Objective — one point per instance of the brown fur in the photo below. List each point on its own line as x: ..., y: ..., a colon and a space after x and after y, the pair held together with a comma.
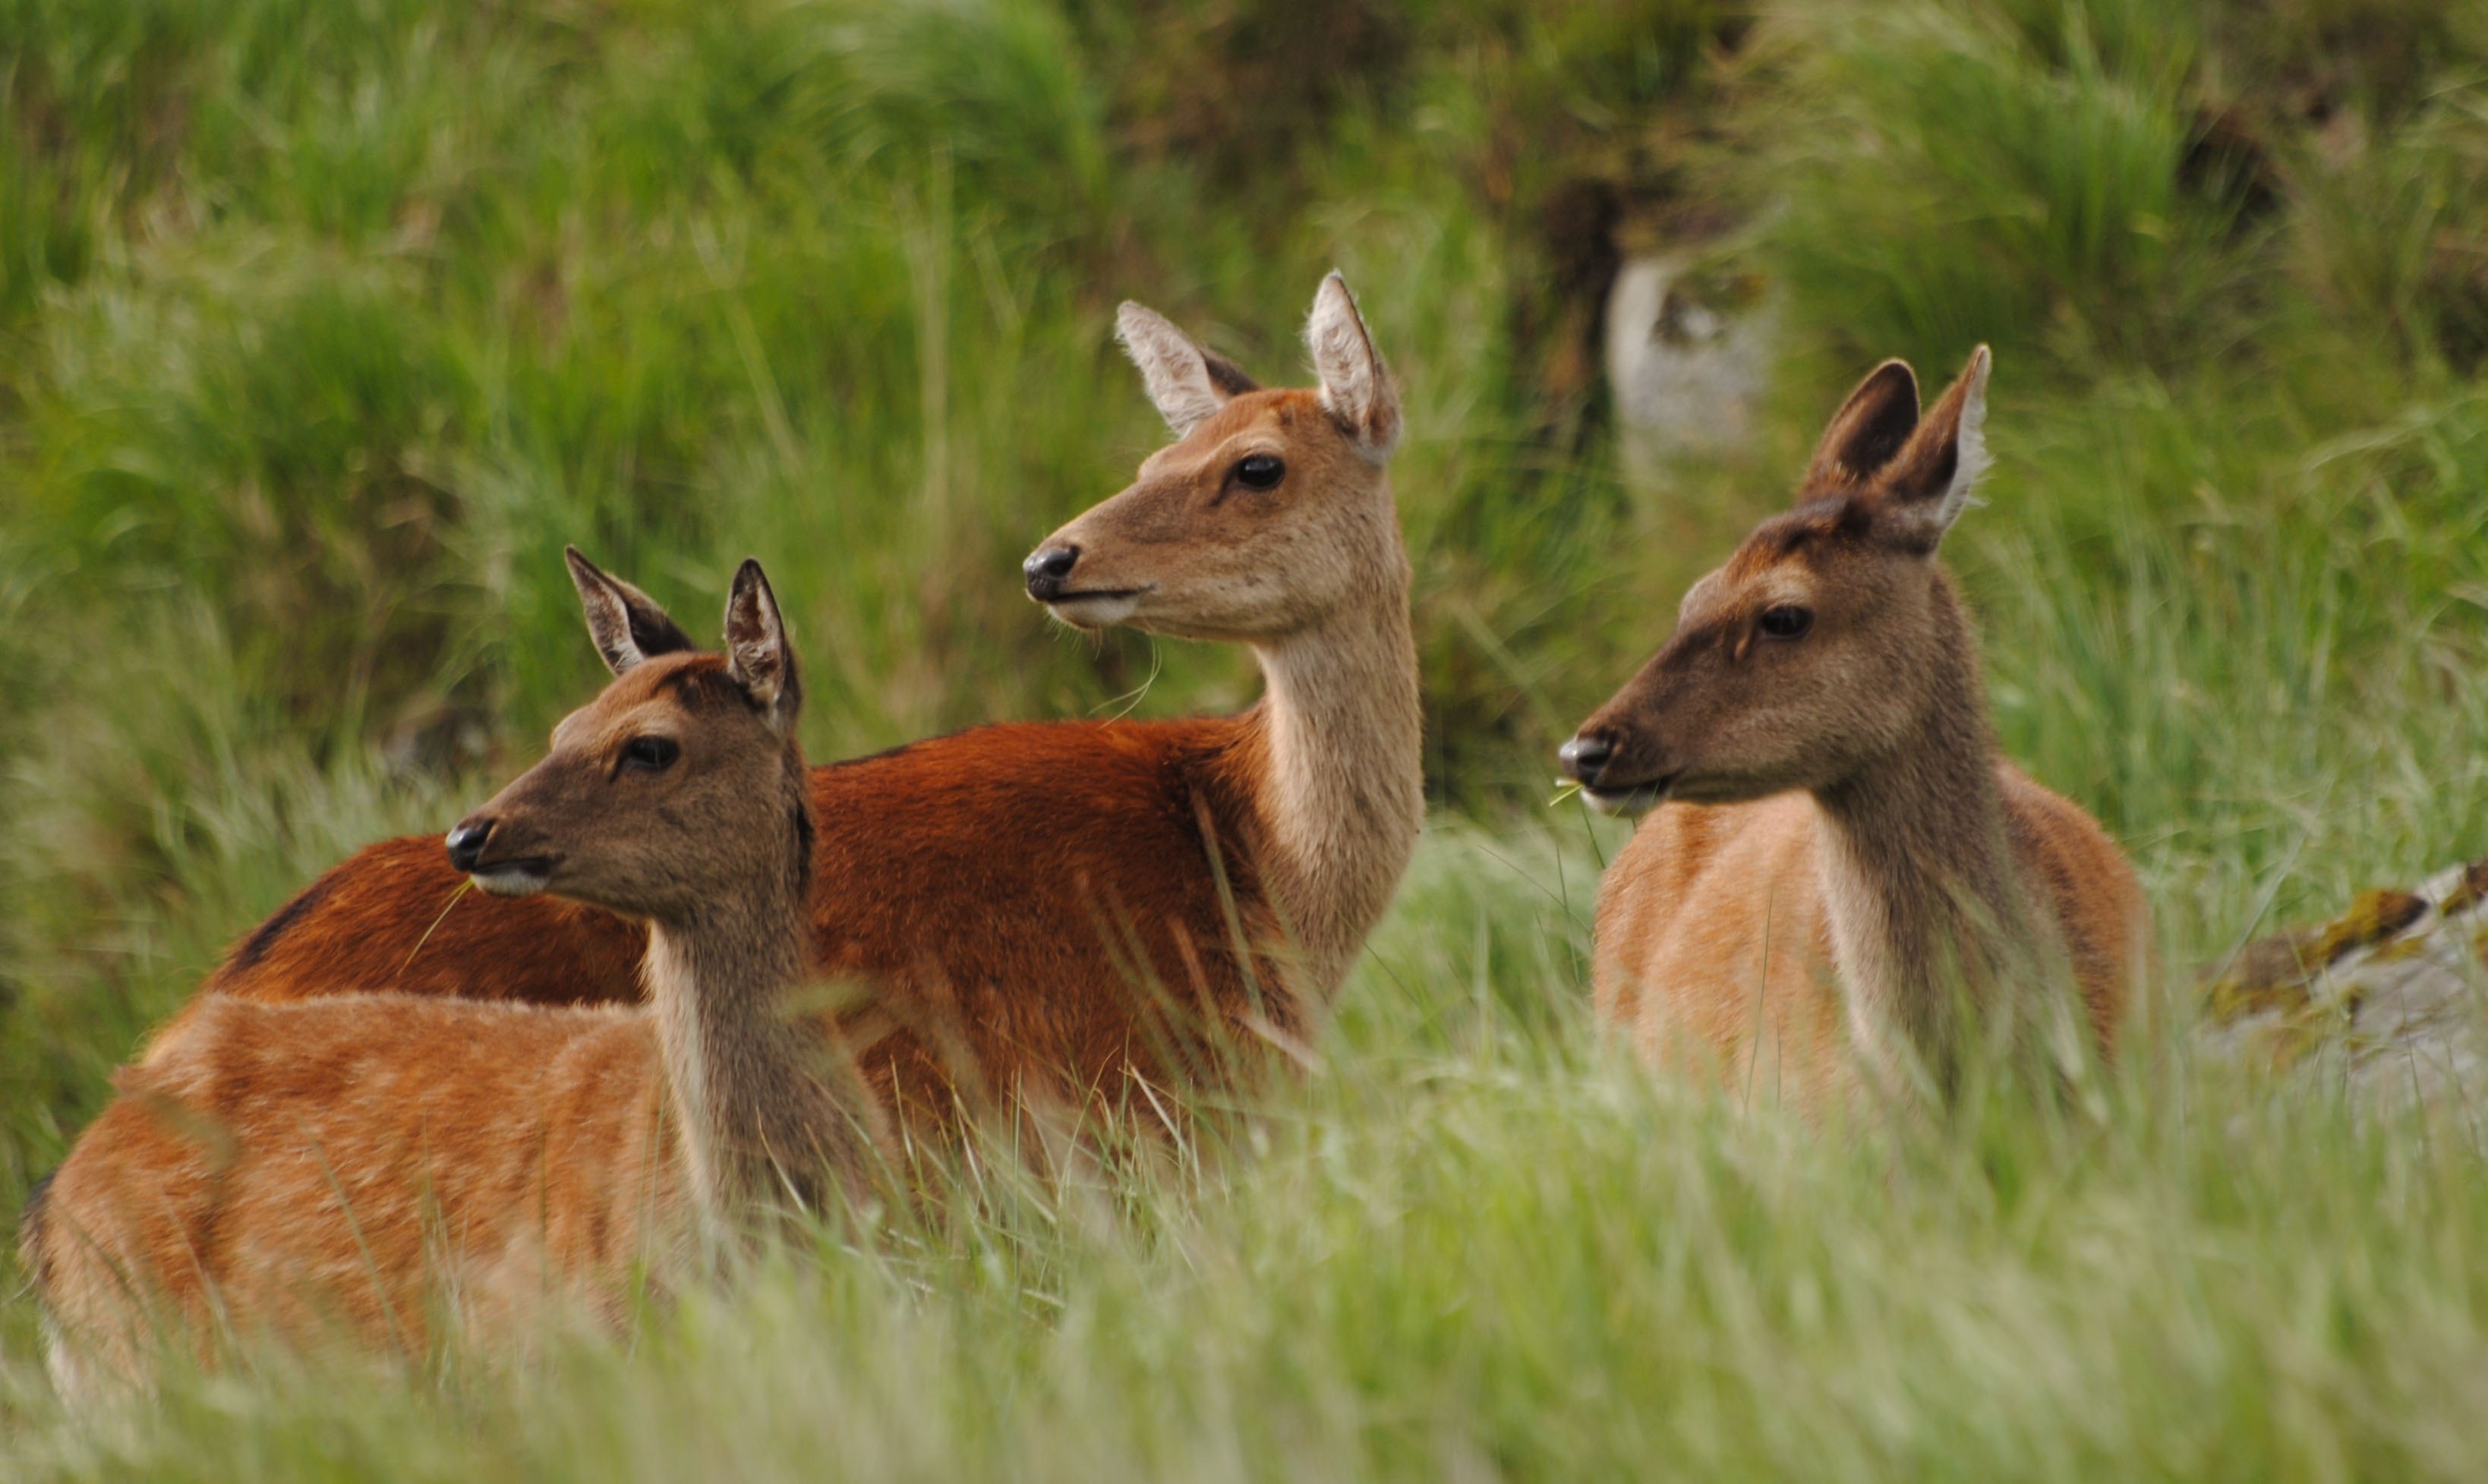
x: 1058, y: 907
x: 316, y: 1167
x: 361, y: 1164
x: 1843, y: 860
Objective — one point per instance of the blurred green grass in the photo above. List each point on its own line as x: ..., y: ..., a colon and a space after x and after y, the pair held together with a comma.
x: 327, y: 324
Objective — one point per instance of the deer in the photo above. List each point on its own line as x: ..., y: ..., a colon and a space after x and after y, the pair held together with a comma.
x: 336, y: 1166
x: 1837, y: 877
x: 1079, y: 913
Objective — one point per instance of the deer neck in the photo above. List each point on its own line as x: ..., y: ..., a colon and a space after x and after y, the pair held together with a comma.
x: 759, y: 1126
x: 1336, y: 782
x: 1925, y: 904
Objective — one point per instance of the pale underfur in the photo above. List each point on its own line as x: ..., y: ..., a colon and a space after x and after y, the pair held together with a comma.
x: 747, y: 1081
x: 1343, y: 796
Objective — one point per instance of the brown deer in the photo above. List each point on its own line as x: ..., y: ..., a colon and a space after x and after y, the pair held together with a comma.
x: 348, y: 1164
x: 1842, y: 860
x: 1064, y: 908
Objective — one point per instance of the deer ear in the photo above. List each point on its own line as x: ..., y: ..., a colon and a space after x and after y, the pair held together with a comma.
x: 1867, y: 430
x: 1187, y: 382
x: 1356, y: 387
x: 1930, y: 481
x: 757, y: 656
x: 626, y: 623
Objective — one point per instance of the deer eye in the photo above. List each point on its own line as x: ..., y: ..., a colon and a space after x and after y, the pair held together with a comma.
x: 1260, y: 471
x: 1787, y: 621
x: 651, y: 754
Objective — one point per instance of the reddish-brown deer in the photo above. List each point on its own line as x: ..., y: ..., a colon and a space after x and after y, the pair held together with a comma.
x: 1063, y: 907
x: 1842, y: 862
x: 353, y: 1164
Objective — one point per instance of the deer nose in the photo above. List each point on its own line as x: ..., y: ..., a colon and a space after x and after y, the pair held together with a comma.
x: 1585, y: 757
x: 1046, y: 567
x: 466, y: 844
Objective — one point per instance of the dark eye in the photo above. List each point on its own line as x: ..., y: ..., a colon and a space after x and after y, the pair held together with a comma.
x: 1261, y: 471
x: 651, y: 754
x: 1788, y: 620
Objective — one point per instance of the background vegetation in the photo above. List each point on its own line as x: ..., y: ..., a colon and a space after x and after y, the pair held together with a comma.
x: 325, y: 323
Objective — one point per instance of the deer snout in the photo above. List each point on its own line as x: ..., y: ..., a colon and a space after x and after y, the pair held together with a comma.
x: 517, y: 868
x: 466, y: 844
x: 1619, y: 772
x: 1046, y: 566
x: 1586, y: 756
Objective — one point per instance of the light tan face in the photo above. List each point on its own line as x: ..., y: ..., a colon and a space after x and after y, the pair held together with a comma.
x: 1815, y: 650
x: 1255, y: 524
x: 1269, y: 512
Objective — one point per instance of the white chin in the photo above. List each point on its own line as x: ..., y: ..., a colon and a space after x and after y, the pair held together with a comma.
x: 1627, y: 801
x: 1094, y: 612
x: 509, y: 883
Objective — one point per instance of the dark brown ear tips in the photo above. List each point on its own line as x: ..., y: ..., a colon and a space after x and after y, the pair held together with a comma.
x: 1869, y: 430
x: 758, y: 657
x: 626, y: 623
x: 1930, y: 481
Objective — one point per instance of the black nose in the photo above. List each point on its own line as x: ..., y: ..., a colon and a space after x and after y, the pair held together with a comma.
x: 466, y: 844
x: 1046, y: 567
x: 1586, y: 756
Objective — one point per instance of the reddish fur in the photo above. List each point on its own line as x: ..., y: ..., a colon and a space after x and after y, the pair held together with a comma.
x: 1019, y: 901
x: 1008, y: 950
x: 289, y: 1168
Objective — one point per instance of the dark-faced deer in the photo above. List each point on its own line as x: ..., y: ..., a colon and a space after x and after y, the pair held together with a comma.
x: 353, y: 1163
x: 1839, y: 860
x: 1060, y: 907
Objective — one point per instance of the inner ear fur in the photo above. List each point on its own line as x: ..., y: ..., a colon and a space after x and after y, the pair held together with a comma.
x: 1186, y: 383
x: 1867, y: 433
x: 1224, y: 375
x: 627, y: 624
x: 1925, y: 486
x: 759, y: 659
x: 1356, y: 386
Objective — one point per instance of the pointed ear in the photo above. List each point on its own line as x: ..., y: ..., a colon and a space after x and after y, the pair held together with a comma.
x: 1928, y: 483
x: 626, y: 623
x: 757, y: 656
x: 1867, y: 430
x: 1187, y: 382
x: 1355, y: 386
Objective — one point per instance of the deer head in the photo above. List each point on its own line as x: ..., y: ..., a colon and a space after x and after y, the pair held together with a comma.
x: 652, y: 795
x: 1830, y: 636
x: 1270, y: 510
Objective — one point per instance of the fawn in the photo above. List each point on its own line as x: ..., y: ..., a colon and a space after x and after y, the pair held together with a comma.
x: 1059, y: 910
x: 1840, y: 848
x: 342, y: 1163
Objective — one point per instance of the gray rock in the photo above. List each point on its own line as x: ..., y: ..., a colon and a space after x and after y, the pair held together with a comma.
x: 1688, y: 355
x: 2391, y: 997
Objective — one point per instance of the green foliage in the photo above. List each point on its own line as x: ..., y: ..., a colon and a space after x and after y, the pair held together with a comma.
x: 327, y: 324
x: 1511, y: 1256
x: 1971, y: 181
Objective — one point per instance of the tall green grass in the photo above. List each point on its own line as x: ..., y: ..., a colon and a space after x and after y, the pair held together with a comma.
x: 325, y: 325
x: 1472, y: 1243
